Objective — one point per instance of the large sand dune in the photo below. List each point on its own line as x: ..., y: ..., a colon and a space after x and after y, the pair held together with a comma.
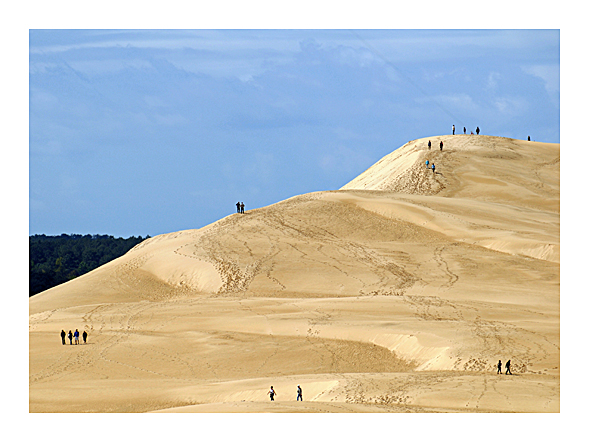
x: 398, y: 292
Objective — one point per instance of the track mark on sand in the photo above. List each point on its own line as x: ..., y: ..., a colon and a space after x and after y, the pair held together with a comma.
x: 443, y: 264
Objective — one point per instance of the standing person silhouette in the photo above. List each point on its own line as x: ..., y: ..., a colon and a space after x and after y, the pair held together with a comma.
x: 453, y: 129
x: 70, y: 336
x: 508, y: 368
x: 441, y: 145
x: 429, y: 144
x: 272, y: 394
x: 499, y: 367
x: 84, y: 336
x: 477, y: 130
x: 299, y: 393
x: 238, y: 206
x: 77, y: 337
x: 433, y: 168
x: 242, y: 207
x: 464, y: 130
x: 63, y: 337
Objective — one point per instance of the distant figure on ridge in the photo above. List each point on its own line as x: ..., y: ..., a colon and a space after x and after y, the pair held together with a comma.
x: 508, y: 368
x: 84, y: 336
x: 63, y: 337
x: 441, y: 145
x: 453, y: 129
x: 77, y: 337
x: 464, y: 130
x: 242, y: 207
x: 238, y: 206
x: 429, y: 144
x: 477, y: 130
x: 499, y: 367
x: 299, y: 393
x: 529, y: 138
x: 70, y: 336
x: 272, y: 394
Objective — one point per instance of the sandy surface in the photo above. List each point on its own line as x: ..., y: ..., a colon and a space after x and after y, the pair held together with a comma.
x: 398, y: 293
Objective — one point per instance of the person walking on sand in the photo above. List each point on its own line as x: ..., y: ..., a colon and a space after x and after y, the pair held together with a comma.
x: 272, y: 394
x: 238, y: 206
x: 453, y: 129
x: 299, y: 393
x: 508, y: 368
x: 433, y: 168
x: 84, y: 336
x: 477, y: 130
x: 242, y: 207
x: 77, y: 337
x: 441, y: 145
x: 499, y: 367
x: 429, y: 144
x: 63, y: 337
x: 70, y: 336
x: 427, y: 163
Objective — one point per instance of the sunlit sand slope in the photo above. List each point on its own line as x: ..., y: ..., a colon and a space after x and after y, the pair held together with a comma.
x: 399, y: 292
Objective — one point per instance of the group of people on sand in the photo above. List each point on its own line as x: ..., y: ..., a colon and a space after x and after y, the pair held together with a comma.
x: 507, y: 367
x: 465, y: 130
x: 441, y: 144
x: 75, y: 336
x: 428, y: 162
x: 240, y: 207
x: 272, y: 393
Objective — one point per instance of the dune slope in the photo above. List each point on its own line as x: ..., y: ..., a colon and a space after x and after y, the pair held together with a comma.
x: 398, y: 292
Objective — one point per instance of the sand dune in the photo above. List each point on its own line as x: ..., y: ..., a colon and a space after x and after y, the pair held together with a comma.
x: 399, y: 292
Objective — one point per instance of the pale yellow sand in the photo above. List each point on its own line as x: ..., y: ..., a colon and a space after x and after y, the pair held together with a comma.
x: 399, y: 292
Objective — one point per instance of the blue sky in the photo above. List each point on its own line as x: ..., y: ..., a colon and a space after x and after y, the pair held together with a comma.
x: 140, y: 132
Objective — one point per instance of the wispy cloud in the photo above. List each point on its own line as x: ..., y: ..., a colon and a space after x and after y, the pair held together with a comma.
x: 549, y: 73
x: 493, y: 78
x: 511, y: 106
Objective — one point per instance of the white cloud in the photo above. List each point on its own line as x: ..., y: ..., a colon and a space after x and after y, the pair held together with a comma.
x: 178, y: 39
x: 362, y: 57
x: 493, y: 78
x: 511, y: 106
x: 431, y: 45
x: 548, y: 73
x: 98, y: 67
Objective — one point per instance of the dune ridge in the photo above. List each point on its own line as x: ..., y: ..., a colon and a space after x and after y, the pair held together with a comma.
x: 399, y: 292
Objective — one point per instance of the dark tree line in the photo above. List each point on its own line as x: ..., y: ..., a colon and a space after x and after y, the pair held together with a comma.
x: 54, y: 260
